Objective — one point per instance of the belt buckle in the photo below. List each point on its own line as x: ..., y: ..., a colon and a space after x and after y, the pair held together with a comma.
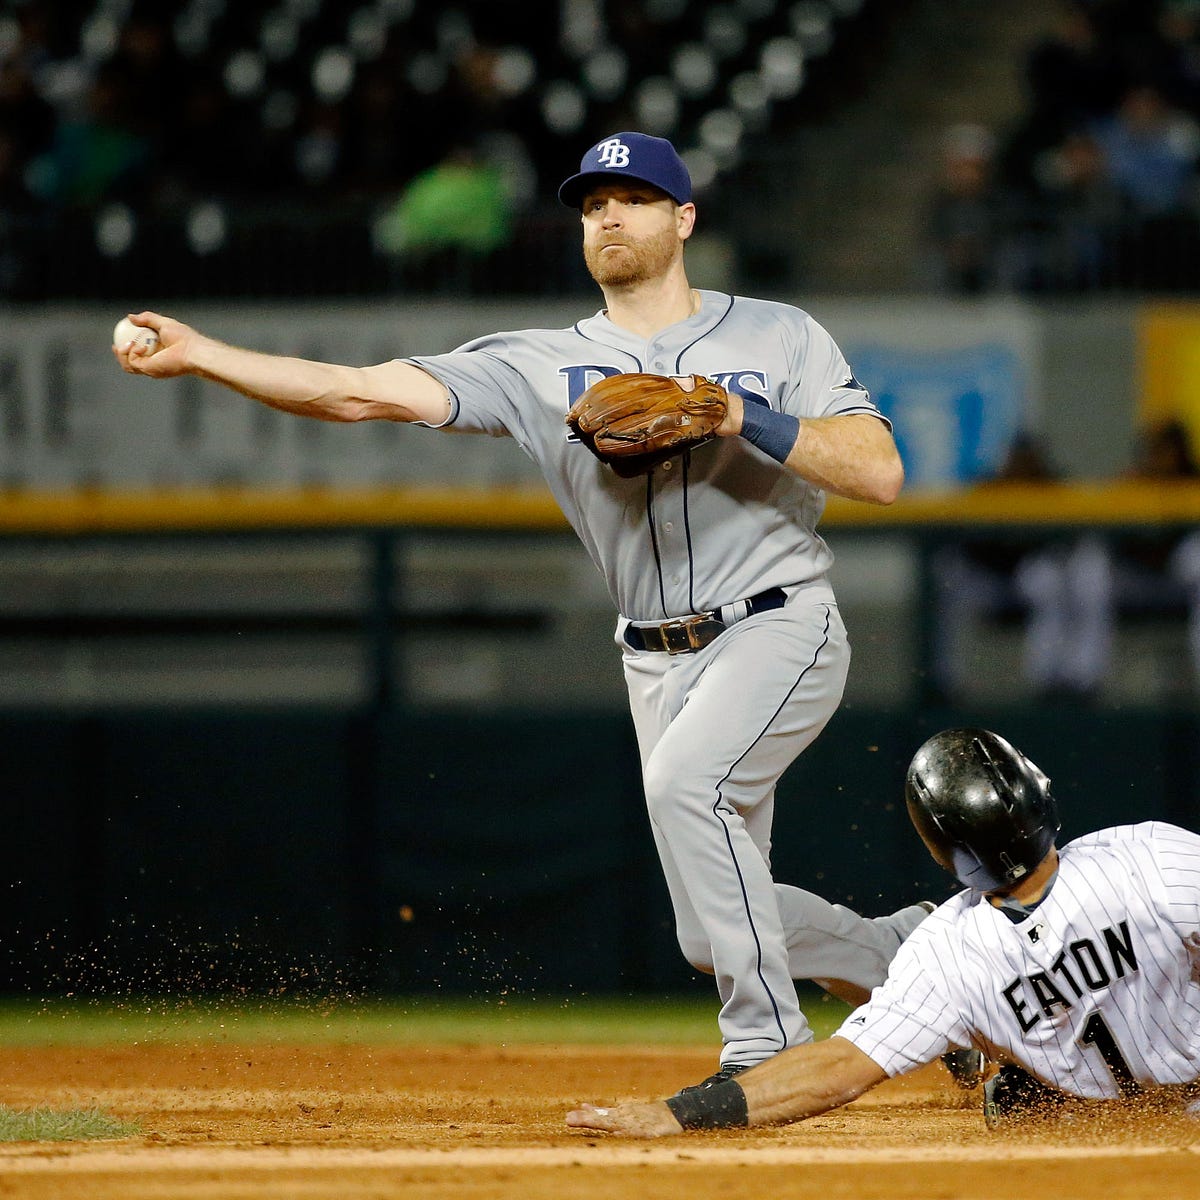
x: 680, y: 637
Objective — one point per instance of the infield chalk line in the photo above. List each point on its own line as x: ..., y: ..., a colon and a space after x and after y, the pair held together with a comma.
x: 274, y: 1158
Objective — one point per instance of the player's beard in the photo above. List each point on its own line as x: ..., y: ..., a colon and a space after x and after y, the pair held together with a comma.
x: 637, y: 260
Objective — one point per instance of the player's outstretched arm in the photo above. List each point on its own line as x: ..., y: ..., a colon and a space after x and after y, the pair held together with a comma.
x: 801, y: 1082
x: 391, y: 391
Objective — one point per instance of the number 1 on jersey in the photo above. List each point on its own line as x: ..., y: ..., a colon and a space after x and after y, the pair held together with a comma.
x: 1097, y: 1033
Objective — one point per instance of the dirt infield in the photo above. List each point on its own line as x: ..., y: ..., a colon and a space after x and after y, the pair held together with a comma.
x: 224, y: 1121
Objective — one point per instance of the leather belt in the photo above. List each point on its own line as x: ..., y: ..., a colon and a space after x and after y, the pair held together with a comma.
x: 686, y: 635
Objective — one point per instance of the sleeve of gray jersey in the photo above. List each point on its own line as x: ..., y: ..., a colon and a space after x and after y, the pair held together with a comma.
x: 484, y: 388
x: 823, y: 383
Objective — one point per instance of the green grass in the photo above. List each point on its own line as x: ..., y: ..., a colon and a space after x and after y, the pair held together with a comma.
x: 69, y: 1125
x: 668, y: 1021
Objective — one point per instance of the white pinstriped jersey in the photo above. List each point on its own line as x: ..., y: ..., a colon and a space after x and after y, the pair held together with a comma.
x: 721, y: 524
x: 1097, y: 990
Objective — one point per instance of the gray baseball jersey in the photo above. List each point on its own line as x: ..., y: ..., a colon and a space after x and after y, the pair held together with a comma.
x: 725, y: 524
x: 1097, y: 990
x: 707, y: 530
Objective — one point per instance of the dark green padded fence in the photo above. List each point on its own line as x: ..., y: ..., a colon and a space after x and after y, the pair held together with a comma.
x: 478, y: 854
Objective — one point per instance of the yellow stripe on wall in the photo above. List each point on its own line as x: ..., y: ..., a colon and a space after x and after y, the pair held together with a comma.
x: 1169, y: 366
x: 205, y: 509
x: 514, y: 509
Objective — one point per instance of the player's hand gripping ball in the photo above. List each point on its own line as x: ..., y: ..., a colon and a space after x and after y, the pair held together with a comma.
x: 146, y: 340
x: 634, y: 422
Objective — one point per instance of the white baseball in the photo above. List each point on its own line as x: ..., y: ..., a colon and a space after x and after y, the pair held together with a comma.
x: 126, y: 331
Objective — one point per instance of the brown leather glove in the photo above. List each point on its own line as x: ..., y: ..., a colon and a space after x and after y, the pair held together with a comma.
x: 634, y: 422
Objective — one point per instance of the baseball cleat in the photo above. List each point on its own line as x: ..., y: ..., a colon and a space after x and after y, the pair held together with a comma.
x: 966, y: 1067
x: 1015, y: 1095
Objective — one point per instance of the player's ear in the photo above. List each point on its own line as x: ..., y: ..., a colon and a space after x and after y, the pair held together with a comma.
x: 685, y: 218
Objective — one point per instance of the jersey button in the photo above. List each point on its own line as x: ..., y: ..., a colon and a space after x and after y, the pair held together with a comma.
x: 667, y: 465
x: 669, y: 526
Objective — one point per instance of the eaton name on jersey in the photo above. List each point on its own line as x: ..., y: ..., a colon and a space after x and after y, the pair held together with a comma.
x: 1085, y: 966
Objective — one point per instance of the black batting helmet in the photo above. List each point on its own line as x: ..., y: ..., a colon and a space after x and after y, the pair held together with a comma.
x: 984, y: 811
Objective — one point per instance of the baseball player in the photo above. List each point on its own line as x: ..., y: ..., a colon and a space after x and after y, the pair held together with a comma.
x: 734, y: 651
x: 1077, y: 970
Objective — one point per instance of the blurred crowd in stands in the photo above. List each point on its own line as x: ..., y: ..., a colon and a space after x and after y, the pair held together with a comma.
x: 140, y: 140
x: 154, y: 133
x: 1097, y: 185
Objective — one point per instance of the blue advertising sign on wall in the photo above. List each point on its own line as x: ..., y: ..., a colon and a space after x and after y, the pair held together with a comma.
x: 955, y: 411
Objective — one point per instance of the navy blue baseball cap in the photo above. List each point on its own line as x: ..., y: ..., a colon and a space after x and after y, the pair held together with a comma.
x: 635, y: 156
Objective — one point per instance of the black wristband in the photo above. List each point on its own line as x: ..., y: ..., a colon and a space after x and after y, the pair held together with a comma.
x: 718, y: 1106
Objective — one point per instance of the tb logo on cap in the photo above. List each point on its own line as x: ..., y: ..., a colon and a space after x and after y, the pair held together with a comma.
x: 613, y: 153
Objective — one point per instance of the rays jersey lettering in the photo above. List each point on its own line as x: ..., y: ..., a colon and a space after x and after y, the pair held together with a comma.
x: 580, y: 378
x: 752, y: 386
x: 1084, y: 965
